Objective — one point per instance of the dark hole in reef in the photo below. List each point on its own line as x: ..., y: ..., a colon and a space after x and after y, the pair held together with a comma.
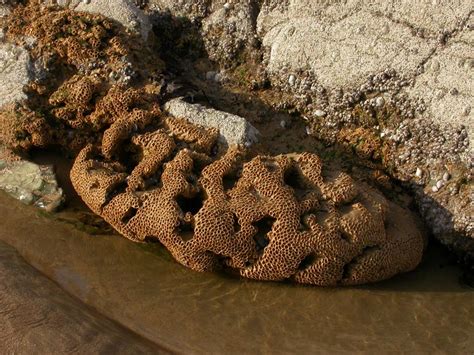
x: 307, y: 261
x: 270, y: 165
x: 291, y: 177
x: 294, y: 179
x: 344, y: 209
x: 347, y: 269
x: 131, y: 212
x: 230, y: 180
x: 186, y: 230
x: 190, y: 204
x: 304, y: 226
x: 237, y: 226
x: 346, y: 236
x: 114, y: 192
x: 264, y: 226
x: 129, y: 155
x: 191, y: 178
x: 214, y: 149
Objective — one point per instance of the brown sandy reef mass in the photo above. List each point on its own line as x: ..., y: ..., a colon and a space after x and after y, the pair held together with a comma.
x: 95, y: 90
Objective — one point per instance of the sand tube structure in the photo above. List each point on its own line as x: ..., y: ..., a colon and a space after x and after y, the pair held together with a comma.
x: 155, y: 177
x: 271, y: 218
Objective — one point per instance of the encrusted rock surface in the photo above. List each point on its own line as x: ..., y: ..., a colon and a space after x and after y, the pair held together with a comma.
x: 345, y: 52
x: 123, y: 11
x: 233, y: 129
x: 446, y: 86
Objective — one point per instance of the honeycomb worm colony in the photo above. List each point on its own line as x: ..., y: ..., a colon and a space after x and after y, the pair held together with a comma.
x: 270, y: 218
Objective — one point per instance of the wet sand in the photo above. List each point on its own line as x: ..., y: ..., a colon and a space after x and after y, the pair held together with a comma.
x: 37, y: 316
x: 142, y: 288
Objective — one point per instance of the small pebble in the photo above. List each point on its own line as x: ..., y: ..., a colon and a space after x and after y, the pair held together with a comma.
x: 419, y: 172
x: 379, y: 101
x: 218, y: 77
x: 434, y: 189
x: 446, y: 176
x: 227, y: 6
x: 320, y: 113
x: 308, y: 130
x: 292, y: 80
x: 283, y: 124
x: 210, y: 75
x: 440, y: 184
x: 466, y: 111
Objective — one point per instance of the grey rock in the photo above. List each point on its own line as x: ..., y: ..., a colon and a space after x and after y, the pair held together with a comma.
x: 343, y: 55
x: 449, y: 77
x: 233, y: 129
x: 31, y: 184
x: 15, y: 73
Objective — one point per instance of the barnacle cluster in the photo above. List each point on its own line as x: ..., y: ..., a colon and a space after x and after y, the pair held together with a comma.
x: 157, y: 177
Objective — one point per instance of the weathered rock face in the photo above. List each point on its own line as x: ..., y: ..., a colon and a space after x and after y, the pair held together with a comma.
x: 341, y: 54
x: 446, y: 86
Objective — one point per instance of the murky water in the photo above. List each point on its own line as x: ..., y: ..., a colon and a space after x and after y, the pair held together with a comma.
x: 142, y: 288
